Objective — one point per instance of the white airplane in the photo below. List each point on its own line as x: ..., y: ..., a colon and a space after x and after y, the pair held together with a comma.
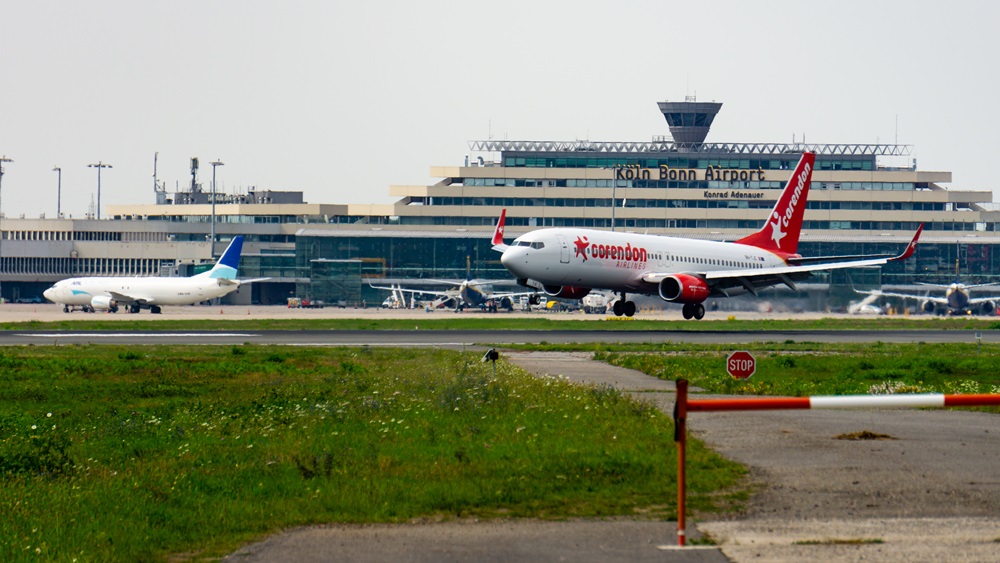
x: 570, y: 262
x: 137, y: 292
x: 866, y: 306
x: 957, y: 298
x: 469, y: 293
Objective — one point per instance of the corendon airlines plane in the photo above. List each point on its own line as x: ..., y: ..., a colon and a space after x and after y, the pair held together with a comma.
x: 570, y: 262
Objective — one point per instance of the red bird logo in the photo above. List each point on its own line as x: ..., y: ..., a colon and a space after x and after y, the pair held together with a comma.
x: 581, y: 245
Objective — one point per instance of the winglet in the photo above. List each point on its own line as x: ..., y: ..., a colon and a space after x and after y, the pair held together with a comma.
x: 497, y: 240
x: 912, y: 247
x: 780, y: 233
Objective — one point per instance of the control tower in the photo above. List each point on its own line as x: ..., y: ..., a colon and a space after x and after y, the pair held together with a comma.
x: 689, y: 120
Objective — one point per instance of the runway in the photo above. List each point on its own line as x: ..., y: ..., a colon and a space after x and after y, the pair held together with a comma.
x: 923, y: 494
x: 457, y: 339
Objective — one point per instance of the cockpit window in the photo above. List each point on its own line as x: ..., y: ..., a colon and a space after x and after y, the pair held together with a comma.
x: 538, y: 245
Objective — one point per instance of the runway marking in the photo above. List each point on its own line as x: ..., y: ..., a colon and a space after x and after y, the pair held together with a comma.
x: 389, y: 344
x: 134, y: 334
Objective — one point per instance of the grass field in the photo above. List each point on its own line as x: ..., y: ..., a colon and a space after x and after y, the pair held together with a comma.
x: 804, y: 369
x: 124, y: 454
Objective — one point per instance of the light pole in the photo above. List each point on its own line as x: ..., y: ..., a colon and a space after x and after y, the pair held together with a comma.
x: 614, y: 184
x: 3, y: 159
x: 215, y: 164
x: 98, y: 166
x: 58, y: 192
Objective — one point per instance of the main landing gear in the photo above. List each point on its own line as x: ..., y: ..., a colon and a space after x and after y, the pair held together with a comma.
x: 693, y: 311
x: 623, y: 307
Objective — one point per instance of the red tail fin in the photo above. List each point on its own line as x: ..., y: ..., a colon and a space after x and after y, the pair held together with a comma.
x: 498, y: 232
x: 780, y: 233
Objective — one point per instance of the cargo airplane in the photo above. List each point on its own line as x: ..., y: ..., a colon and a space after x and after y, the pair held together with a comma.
x: 150, y: 292
x: 570, y: 262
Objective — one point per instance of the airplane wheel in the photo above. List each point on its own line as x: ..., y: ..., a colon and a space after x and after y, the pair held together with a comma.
x: 154, y: 309
x: 699, y: 311
x: 65, y: 308
x: 133, y: 308
x: 618, y: 308
x: 686, y: 311
x: 629, y: 308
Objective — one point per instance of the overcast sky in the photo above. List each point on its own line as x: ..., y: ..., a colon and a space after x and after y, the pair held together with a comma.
x: 340, y: 100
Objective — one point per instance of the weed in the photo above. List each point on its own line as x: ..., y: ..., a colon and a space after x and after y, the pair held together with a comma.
x: 844, y: 541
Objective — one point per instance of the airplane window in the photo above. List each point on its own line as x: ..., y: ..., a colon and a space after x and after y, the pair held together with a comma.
x: 538, y: 245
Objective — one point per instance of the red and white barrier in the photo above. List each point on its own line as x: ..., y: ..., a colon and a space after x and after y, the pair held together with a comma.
x: 683, y: 405
x: 933, y: 400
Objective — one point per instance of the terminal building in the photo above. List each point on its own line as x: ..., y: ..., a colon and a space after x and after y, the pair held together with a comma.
x: 865, y: 199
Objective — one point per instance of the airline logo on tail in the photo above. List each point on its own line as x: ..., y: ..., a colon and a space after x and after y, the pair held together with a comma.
x: 498, y: 233
x: 781, y: 223
x: 781, y: 232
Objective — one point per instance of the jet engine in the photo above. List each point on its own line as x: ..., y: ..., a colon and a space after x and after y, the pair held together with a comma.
x: 104, y: 303
x: 565, y: 291
x: 929, y: 307
x: 987, y: 308
x: 682, y: 288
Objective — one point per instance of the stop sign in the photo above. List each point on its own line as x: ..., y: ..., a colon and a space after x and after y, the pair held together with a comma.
x: 741, y: 365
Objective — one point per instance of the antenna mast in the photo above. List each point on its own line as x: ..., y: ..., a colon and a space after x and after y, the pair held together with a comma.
x: 160, y: 189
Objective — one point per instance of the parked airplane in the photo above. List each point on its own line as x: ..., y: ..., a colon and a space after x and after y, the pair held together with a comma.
x: 866, y: 306
x: 570, y: 262
x: 469, y: 293
x: 136, y: 292
x: 957, y: 299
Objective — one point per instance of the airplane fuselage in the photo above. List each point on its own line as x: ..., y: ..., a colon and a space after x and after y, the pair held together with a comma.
x: 154, y: 290
x: 618, y: 261
x: 958, y: 297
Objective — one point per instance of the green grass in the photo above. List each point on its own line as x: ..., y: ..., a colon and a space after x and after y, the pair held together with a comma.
x: 804, y: 369
x: 445, y: 321
x: 842, y: 541
x: 149, y: 453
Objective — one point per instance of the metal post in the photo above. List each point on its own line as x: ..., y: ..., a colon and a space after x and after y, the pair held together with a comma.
x: 58, y: 192
x: 212, y: 244
x: 98, y: 166
x: 3, y: 159
x: 680, y: 436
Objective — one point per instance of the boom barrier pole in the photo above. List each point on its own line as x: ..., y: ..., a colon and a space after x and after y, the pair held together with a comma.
x: 844, y: 402
x: 680, y: 436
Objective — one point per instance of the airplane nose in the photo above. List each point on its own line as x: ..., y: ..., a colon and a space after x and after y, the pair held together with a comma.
x: 49, y: 294
x: 513, y: 260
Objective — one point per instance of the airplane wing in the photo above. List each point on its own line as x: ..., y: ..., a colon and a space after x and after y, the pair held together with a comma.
x: 878, y: 292
x: 451, y: 293
x: 122, y: 298
x: 516, y: 294
x: 223, y: 281
x: 719, y: 281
